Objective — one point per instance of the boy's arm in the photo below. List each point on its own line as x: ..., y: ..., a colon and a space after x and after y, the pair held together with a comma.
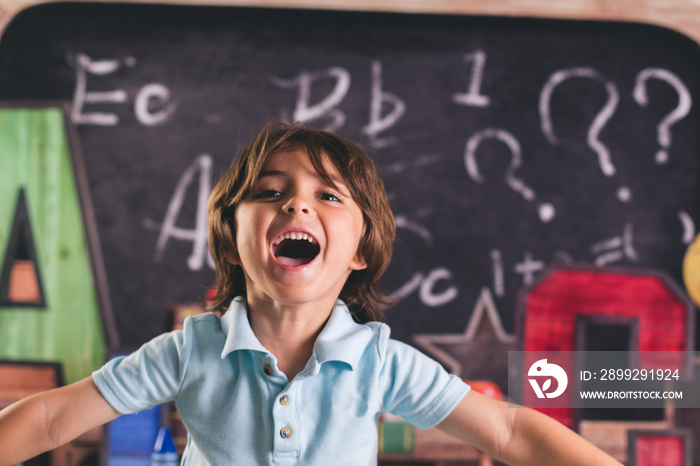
x: 519, y: 436
x: 49, y: 419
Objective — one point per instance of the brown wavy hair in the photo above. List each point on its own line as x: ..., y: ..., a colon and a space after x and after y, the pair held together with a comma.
x: 366, y: 188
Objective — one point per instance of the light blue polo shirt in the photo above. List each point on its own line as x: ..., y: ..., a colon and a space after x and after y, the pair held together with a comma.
x: 239, y: 409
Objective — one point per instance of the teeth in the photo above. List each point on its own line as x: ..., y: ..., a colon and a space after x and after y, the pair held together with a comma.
x: 295, y: 236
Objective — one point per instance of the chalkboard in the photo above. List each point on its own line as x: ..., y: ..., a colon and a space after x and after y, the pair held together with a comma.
x: 506, y: 144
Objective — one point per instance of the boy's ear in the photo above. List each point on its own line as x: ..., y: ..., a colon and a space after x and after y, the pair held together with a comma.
x: 232, y: 257
x: 358, y: 263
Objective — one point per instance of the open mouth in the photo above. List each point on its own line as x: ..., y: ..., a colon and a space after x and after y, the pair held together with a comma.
x: 295, y: 249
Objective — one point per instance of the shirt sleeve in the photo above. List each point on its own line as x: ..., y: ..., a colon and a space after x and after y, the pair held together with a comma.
x: 416, y: 387
x: 148, y: 377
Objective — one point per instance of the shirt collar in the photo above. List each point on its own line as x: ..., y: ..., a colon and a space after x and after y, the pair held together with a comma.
x: 239, y: 335
x: 342, y: 339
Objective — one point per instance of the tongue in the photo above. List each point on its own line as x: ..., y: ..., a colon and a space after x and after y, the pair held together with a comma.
x: 295, y: 253
x: 293, y: 261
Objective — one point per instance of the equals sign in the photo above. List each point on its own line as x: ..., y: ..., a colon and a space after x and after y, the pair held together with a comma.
x: 616, y: 248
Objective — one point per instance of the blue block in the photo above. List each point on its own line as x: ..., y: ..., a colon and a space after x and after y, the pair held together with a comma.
x: 134, y: 435
x: 129, y: 461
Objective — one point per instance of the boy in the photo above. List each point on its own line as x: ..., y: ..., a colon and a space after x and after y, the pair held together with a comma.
x: 297, y: 370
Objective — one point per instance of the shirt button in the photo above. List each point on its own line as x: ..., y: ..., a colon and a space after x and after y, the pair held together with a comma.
x: 284, y: 399
x: 285, y: 432
x: 267, y: 369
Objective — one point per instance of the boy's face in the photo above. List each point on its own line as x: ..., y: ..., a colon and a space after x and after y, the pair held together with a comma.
x: 296, y: 236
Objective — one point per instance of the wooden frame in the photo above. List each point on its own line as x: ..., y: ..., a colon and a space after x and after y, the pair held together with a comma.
x: 19, y: 379
x: 681, y: 15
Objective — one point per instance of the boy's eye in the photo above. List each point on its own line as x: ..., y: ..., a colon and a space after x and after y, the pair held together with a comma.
x: 268, y: 193
x: 329, y: 197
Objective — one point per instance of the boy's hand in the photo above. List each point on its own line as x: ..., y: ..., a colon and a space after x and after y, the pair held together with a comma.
x: 519, y: 436
x: 49, y: 419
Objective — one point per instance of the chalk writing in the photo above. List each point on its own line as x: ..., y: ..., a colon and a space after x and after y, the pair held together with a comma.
x: 425, y: 285
x: 377, y: 122
x: 419, y: 230
x: 624, y: 194
x: 528, y: 268
x: 546, y: 210
x: 600, y: 120
x: 473, y: 96
x: 437, y: 286
x: 418, y: 162
x: 498, y: 276
x: 326, y: 109
x: 616, y: 248
x: 153, y: 95
x: 509, y: 140
x: 407, y: 288
x: 197, y: 235
x: 143, y: 103
x: 685, y: 102
x: 688, y: 227
x: 84, y: 64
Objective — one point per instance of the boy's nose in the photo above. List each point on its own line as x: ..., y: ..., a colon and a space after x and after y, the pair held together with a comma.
x: 303, y: 210
x: 297, y: 204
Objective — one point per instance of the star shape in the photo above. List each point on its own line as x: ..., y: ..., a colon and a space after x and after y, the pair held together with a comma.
x: 478, y: 353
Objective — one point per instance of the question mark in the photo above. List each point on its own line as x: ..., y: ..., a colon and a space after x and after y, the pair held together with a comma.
x: 681, y: 110
x: 546, y: 211
x: 624, y: 194
x: 599, y: 121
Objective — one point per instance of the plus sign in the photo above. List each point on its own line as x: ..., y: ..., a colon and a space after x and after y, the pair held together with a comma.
x: 528, y: 268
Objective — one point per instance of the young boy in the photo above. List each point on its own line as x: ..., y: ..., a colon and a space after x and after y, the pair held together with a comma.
x: 297, y: 370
